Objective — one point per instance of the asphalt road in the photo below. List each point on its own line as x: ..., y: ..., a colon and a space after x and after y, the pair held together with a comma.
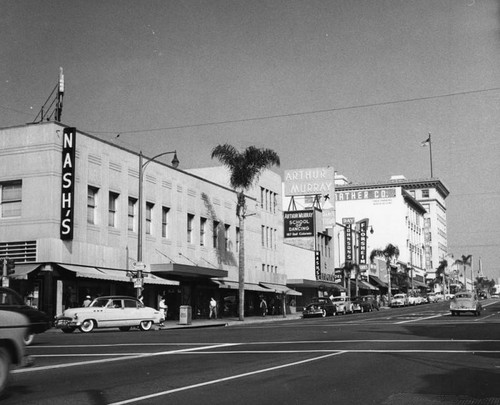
x: 414, y: 355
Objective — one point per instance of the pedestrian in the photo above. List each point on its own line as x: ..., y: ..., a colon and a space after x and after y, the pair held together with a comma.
x: 163, y: 307
x: 213, y: 308
x: 263, y: 307
x: 87, y: 301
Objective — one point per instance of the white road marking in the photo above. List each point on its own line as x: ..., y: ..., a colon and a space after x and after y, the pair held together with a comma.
x: 219, y: 380
x: 421, y: 319
x: 142, y: 355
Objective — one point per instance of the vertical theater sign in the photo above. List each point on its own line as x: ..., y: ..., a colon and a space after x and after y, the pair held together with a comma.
x: 68, y: 183
x: 309, y: 223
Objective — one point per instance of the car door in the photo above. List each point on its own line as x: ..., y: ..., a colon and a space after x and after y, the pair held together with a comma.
x: 113, y: 314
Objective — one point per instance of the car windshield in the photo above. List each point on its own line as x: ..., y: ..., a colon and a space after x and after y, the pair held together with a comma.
x: 99, y: 302
x: 399, y: 296
x: 463, y: 295
x: 339, y: 299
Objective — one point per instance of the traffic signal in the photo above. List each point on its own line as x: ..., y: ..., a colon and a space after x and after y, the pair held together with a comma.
x: 11, y: 265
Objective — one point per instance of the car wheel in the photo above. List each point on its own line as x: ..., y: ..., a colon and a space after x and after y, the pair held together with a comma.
x: 145, y: 325
x: 5, y: 364
x: 124, y: 328
x: 68, y: 330
x: 28, y: 338
x: 87, y: 326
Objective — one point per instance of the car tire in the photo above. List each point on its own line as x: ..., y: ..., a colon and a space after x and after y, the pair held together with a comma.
x: 28, y: 338
x: 87, y: 326
x: 68, y: 330
x: 146, y: 325
x: 124, y: 328
x: 5, y: 366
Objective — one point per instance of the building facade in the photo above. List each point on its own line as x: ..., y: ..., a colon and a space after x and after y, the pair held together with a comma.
x: 69, y: 219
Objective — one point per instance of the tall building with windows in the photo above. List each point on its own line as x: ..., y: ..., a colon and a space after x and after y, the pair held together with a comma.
x: 419, y: 230
x: 70, y: 220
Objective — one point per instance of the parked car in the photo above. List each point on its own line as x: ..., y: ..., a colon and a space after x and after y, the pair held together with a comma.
x: 466, y: 301
x: 400, y: 300
x: 365, y: 303
x: 343, y: 304
x: 435, y: 297
x: 10, y: 300
x: 482, y: 295
x: 12, y: 348
x: 109, y: 312
x: 320, y: 306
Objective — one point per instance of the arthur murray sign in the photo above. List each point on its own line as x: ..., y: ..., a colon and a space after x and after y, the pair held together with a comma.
x: 310, y: 181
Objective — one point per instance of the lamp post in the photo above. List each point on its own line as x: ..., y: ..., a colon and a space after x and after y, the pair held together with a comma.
x: 140, y: 229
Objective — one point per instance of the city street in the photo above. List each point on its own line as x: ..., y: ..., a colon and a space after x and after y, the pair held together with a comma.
x: 411, y: 355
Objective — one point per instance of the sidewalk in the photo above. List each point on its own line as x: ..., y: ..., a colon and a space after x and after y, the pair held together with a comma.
x: 231, y: 321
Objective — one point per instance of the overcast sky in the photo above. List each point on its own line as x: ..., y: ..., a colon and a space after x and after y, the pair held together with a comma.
x: 354, y: 84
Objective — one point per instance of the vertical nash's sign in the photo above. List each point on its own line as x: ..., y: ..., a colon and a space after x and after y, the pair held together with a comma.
x: 68, y: 183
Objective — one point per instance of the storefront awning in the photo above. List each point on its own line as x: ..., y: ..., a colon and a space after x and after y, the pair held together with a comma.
x: 234, y: 285
x: 319, y: 284
x: 367, y: 286
x: 21, y: 271
x: 178, y: 271
x: 113, y: 274
x: 417, y: 283
x: 378, y: 281
x: 281, y: 289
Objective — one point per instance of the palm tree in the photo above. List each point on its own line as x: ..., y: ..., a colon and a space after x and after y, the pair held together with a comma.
x: 465, y: 261
x: 441, y: 270
x: 245, y: 168
x: 389, y: 253
x: 348, y: 268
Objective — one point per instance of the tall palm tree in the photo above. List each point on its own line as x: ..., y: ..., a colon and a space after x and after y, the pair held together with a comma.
x: 441, y: 271
x: 348, y: 268
x: 245, y: 168
x: 389, y: 253
x: 464, y: 261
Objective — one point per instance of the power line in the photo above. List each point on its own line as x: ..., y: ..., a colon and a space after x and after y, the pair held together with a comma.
x: 296, y: 114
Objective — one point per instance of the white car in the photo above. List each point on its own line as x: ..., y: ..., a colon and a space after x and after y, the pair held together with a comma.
x: 109, y: 312
x: 343, y: 304
x: 399, y: 300
x: 465, y: 301
x: 12, y: 347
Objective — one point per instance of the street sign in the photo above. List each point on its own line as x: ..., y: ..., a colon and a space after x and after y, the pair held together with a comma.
x: 139, y: 266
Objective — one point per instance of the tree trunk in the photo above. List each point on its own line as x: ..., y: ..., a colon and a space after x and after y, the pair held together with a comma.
x: 241, y: 264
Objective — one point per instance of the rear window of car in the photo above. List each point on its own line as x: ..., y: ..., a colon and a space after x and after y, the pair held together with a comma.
x: 463, y: 295
x: 130, y: 304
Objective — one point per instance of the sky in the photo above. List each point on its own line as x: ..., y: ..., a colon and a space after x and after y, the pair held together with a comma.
x: 353, y: 84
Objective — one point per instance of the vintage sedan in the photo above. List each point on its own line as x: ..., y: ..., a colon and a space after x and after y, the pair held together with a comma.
x: 109, y: 312
x: 14, y: 327
x: 321, y: 306
x: 400, y: 300
x: 10, y: 300
x: 465, y: 301
x: 365, y: 304
x: 343, y: 304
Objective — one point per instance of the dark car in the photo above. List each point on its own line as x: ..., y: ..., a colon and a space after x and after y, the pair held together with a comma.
x: 366, y: 303
x: 10, y: 300
x: 320, y: 306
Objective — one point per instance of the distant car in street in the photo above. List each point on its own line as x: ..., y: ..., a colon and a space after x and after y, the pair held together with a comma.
x: 400, y: 300
x: 14, y: 327
x: 10, y: 300
x: 343, y: 304
x: 365, y: 303
x: 109, y: 312
x: 465, y: 301
x: 320, y: 306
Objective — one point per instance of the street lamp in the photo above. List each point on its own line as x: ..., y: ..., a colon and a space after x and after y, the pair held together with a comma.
x: 142, y: 168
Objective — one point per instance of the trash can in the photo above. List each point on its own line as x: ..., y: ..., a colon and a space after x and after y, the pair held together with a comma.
x: 185, y: 315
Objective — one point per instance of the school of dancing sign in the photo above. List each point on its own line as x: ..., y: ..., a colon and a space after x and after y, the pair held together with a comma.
x: 316, y: 181
x: 68, y: 183
x: 298, y: 224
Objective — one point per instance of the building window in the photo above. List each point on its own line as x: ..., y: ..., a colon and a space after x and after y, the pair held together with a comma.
x: 227, y: 240
x: 190, y: 219
x: 92, y: 205
x: 132, y: 204
x: 263, y: 267
x: 11, y: 198
x: 113, y: 199
x: 425, y: 193
x: 164, y: 221
x: 262, y: 197
x: 215, y: 236
x: 203, y: 230
x: 263, y: 235
x: 149, y: 216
